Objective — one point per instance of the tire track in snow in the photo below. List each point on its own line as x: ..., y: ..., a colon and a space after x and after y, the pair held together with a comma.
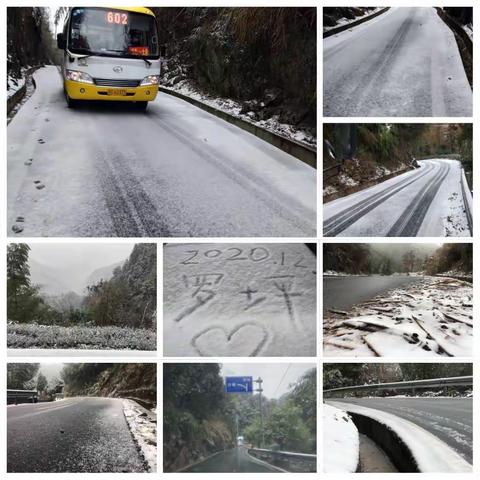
x: 342, y: 220
x: 410, y: 221
x: 293, y: 214
x: 131, y: 211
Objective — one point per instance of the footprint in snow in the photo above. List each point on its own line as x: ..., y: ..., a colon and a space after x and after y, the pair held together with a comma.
x: 17, y: 228
x: 28, y: 162
x: 41, y: 141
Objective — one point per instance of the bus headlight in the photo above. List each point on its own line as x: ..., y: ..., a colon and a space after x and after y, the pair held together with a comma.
x: 150, y: 80
x: 77, y: 76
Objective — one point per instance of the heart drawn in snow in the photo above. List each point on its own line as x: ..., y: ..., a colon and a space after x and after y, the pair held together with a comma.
x: 245, y: 340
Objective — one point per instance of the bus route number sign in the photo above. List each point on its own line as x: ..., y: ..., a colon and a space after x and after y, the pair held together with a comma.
x: 118, y: 18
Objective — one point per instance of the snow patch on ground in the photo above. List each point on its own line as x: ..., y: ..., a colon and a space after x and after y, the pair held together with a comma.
x: 227, y: 105
x: 433, y: 317
x: 346, y: 21
x: 341, y: 443
x: 469, y: 29
x: 143, y: 425
x: 79, y: 337
x: 14, y: 84
x: 225, y: 300
x: 430, y: 453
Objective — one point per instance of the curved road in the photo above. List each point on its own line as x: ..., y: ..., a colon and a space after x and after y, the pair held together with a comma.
x: 425, y: 202
x: 402, y: 63
x: 234, y: 460
x: 72, y: 435
x: 344, y: 292
x: 107, y: 170
x: 450, y: 419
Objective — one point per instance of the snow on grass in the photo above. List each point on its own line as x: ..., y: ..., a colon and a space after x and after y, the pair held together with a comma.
x: 430, y: 453
x: 433, y: 317
x: 143, y: 425
x: 79, y: 337
x: 185, y: 87
x: 341, y: 444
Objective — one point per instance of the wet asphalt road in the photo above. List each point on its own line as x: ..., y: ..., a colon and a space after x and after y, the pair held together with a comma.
x: 72, y: 435
x: 234, y: 460
x: 343, y: 293
x: 451, y: 420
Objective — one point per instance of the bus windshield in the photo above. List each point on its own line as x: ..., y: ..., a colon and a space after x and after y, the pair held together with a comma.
x: 112, y: 33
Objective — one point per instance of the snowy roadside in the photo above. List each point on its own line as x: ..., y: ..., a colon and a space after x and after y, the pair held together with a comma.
x: 14, y: 85
x: 433, y: 317
x: 345, y: 181
x: 334, y: 273
x: 346, y: 21
x: 429, y: 452
x: 143, y: 426
x: 341, y: 443
x: 469, y: 30
x: 227, y: 105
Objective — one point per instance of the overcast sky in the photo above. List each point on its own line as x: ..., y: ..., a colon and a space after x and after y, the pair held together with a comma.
x: 51, y: 370
x: 84, y: 256
x: 65, y: 267
x: 277, y: 377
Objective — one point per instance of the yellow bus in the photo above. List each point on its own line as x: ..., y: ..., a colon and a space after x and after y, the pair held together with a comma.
x: 110, y: 54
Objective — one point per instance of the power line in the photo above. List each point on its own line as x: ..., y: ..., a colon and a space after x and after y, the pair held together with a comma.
x: 281, y: 380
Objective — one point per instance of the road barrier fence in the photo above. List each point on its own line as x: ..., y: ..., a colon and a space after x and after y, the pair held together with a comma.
x: 463, y: 381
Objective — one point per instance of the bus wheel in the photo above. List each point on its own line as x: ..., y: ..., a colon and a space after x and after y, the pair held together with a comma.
x: 71, y: 103
x: 142, y: 106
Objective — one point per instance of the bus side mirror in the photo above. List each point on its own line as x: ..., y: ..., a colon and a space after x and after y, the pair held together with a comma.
x: 61, y: 41
x: 163, y: 51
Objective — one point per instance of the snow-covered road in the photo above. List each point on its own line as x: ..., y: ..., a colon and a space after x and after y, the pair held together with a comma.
x: 108, y: 170
x: 451, y: 420
x: 425, y: 202
x: 402, y: 63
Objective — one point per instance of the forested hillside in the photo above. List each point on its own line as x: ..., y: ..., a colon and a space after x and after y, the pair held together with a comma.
x: 117, y: 313
x: 200, y: 418
x: 397, y: 258
x: 357, y: 154
x: 265, y: 58
x: 29, y: 41
x: 137, y: 381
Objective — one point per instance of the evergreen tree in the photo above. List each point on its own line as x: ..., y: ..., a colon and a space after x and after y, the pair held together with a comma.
x: 42, y: 383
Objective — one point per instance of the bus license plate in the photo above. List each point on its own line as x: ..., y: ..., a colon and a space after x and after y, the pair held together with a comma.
x: 116, y: 91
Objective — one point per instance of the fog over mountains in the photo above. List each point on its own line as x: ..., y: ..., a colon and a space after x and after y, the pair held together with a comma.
x: 59, y: 269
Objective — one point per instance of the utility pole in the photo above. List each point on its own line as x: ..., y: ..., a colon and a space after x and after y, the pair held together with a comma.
x: 260, y: 390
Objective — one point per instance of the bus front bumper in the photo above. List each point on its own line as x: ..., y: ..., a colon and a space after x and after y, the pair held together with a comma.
x: 85, y: 91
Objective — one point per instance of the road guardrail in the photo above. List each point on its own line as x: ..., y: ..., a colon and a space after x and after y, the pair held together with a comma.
x: 289, y: 461
x: 412, y: 384
x: 21, y: 396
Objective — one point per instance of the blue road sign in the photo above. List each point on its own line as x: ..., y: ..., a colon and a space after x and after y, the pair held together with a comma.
x: 239, y: 384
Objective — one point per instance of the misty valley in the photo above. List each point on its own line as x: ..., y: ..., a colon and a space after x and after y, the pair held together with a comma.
x: 67, y: 297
